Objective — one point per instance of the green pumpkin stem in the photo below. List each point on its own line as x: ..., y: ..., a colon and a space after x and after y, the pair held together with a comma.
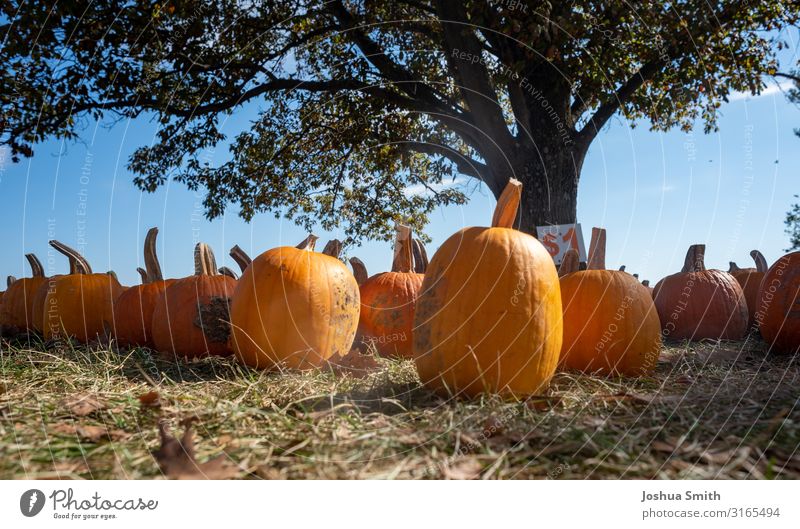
x: 309, y: 243
x: 78, y: 263
x: 569, y: 263
x: 36, y: 265
x: 333, y: 248
x: 597, y: 250
x: 761, y: 261
x: 695, y: 259
x: 151, y: 264
x: 420, y: 257
x: 403, y: 252
x: 505, y: 212
x: 241, y: 257
x: 359, y: 270
x: 204, y: 261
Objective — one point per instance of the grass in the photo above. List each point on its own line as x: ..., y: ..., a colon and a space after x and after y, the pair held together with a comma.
x: 711, y: 410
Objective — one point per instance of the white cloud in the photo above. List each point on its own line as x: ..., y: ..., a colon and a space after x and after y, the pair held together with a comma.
x: 771, y: 89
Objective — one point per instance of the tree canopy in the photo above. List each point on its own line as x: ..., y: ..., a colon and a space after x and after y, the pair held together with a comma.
x: 357, y: 103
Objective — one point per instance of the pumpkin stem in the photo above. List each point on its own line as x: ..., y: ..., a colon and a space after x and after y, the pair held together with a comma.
x: 224, y: 270
x: 733, y: 267
x: 597, y: 250
x: 10, y: 280
x: 569, y: 263
x: 113, y: 274
x: 142, y: 275
x: 646, y: 282
x: 636, y: 276
x: 761, y: 262
x: 622, y: 268
x: 359, y: 270
x: 505, y: 212
x: 420, y: 257
x: 241, y: 257
x: 36, y: 265
x: 695, y: 258
x: 77, y: 263
x: 151, y: 263
x: 204, y: 261
x: 308, y: 243
x: 333, y: 248
x: 403, y: 252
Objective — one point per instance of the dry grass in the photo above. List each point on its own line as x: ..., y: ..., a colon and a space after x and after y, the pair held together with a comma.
x: 713, y: 410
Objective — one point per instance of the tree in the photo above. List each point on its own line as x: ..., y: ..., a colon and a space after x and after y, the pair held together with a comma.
x: 792, y: 220
x: 357, y: 101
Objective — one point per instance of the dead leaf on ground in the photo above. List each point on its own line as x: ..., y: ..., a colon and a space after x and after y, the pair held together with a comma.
x: 176, y: 457
x: 542, y: 402
x: 151, y: 399
x: 85, y: 404
x: 90, y: 433
x: 463, y: 468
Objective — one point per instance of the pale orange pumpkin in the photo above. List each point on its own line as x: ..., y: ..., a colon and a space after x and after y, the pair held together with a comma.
x: 295, y: 308
x: 611, y: 325
x: 488, y: 317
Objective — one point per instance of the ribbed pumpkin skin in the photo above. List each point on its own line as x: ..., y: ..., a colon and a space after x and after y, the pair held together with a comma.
x: 295, y: 308
x: 178, y: 326
x: 387, y: 311
x: 488, y: 317
x: 778, y: 308
x: 697, y: 305
x: 18, y: 304
x: 750, y: 281
x: 134, y: 313
x: 610, y: 324
x: 82, y: 305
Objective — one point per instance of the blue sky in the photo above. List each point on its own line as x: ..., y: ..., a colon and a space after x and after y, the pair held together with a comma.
x: 655, y: 193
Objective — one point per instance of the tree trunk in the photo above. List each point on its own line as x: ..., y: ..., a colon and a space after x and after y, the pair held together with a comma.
x: 549, y: 172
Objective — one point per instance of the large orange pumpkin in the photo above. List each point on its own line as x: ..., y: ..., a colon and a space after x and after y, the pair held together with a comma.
x: 135, y: 307
x: 295, y: 308
x: 388, y: 300
x: 611, y: 325
x: 18, y: 300
x: 778, y: 308
x: 192, y: 320
x: 80, y: 305
x: 750, y: 281
x: 697, y: 303
x: 488, y: 317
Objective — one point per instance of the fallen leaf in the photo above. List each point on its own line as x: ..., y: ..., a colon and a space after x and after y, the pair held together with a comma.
x: 463, y: 468
x: 542, y: 402
x: 176, y: 457
x: 151, y: 399
x: 83, y: 405
x: 90, y: 433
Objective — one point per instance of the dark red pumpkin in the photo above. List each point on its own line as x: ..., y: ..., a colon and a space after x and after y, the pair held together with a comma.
x: 750, y: 281
x: 778, y: 308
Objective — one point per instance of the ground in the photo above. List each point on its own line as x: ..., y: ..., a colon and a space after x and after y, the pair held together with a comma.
x: 711, y: 410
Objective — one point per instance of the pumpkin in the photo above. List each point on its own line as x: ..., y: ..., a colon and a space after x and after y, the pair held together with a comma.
x: 611, y: 326
x: 778, y: 308
x: 192, y: 320
x: 4, y: 329
x: 134, y: 308
x: 388, y: 300
x: 294, y: 307
x: 80, y: 304
x: 18, y: 299
x: 697, y: 303
x: 488, y: 317
x: 750, y: 281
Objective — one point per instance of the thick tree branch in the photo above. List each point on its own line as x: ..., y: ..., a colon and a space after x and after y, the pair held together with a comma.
x: 465, y: 165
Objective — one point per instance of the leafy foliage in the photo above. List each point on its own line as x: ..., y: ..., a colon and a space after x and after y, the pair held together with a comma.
x: 359, y: 102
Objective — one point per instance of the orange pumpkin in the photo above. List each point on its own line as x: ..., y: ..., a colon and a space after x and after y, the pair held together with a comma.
x: 778, y: 308
x: 293, y: 307
x: 4, y: 329
x: 80, y: 305
x: 750, y: 281
x: 192, y: 320
x: 18, y: 300
x: 697, y: 303
x: 611, y: 325
x: 135, y: 307
x: 388, y: 301
x: 488, y: 317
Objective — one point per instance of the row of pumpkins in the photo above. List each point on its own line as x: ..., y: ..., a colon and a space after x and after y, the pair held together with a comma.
x: 490, y: 312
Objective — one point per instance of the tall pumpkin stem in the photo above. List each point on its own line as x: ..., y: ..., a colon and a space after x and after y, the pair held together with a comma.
x: 333, y: 248
x: 403, y: 252
x: 761, y: 261
x: 420, y: 257
x: 36, y: 265
x: 78, y: 263
x: 695, y: 259
x: 309, y: 243
x: 204, y: 261
x: 505, y: 212
x: 569, y: 263
x: 241, y: 257
x: 597, y: 250
x: 151, y: 264
x: 359, y: 270
x: 142, y: 275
